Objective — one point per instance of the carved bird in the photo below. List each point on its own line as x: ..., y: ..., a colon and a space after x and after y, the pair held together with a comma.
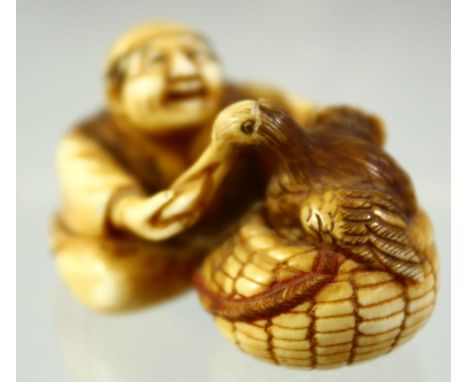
x: 341, y: 191
x: 338, y: 252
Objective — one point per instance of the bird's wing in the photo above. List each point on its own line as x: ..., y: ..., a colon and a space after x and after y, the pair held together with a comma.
x: 350, y: 121
x: 369, y: 224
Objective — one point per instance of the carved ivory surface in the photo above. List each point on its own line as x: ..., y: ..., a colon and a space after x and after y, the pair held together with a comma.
x: 303, y: 237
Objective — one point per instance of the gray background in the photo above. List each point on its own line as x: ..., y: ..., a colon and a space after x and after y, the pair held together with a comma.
x: 389, y: 57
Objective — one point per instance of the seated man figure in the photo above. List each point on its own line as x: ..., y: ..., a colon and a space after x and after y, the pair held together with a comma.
x: 122, y: 238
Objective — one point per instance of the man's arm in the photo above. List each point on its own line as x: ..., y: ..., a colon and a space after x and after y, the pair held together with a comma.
x: 90, y: 178
x: 98, y: 192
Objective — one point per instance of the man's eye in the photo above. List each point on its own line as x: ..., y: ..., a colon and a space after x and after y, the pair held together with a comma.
x: 156, y: 58
x: 199, y: 53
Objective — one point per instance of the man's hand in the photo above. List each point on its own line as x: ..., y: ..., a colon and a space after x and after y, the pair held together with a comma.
x: 162, y: 215
x: 142, y: 216
x: 170, y: 211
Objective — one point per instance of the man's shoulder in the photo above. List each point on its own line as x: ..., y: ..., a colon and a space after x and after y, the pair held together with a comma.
x: 93, y: 122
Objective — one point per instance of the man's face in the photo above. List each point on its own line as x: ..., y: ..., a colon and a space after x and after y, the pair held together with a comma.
x: 170, y: 83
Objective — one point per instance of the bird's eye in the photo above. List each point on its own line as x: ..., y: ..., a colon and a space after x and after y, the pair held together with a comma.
x: 247, y: 127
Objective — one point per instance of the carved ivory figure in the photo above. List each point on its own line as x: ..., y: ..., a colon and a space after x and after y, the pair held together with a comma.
x: 131, y: 183
x: 311, y: 253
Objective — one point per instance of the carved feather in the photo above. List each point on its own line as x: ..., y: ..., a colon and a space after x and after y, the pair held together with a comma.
x: 384, y: 233
x: 370, y: 225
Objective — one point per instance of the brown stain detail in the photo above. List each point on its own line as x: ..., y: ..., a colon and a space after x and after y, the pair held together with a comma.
x: 357, y: 318
x: 234, y: 333
x: 379, y: 333
x: 436, y: 277
x: 403, y: 322
x: 337, y: 344
x: 384, y: 301
x: 280, y: 298
x: 327, y: 262
x: 408, y: 300
x: 271, y: 349
x: 311, y: 334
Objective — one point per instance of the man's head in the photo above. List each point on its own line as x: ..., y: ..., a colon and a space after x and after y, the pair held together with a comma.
x: 163, y: 77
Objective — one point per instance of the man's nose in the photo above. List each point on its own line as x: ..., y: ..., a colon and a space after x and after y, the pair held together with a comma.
x: 182, y: 66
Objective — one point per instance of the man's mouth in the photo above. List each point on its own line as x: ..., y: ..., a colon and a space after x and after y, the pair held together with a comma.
x: 184, y: 91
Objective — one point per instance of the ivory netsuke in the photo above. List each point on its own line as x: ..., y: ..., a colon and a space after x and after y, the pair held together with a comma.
x: 303, y: 237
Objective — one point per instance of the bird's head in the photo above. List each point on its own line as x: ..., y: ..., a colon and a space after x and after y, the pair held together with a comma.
x: 265, y: 126
x: 254, y: 123
x: 238, y: 124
